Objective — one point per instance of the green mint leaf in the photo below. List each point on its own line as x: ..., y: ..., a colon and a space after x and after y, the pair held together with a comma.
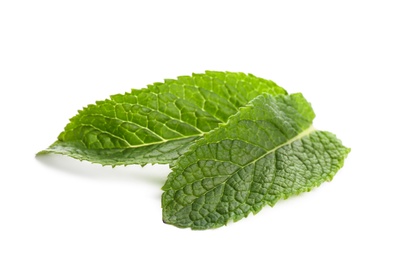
x: 266, y: 152
x: 157, y: 124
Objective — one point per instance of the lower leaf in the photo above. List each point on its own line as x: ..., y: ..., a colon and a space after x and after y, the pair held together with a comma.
x: 266, y: 152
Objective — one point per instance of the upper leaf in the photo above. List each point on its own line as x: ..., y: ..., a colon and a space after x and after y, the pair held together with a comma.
x: 158, y: 123
x: 267, y: 151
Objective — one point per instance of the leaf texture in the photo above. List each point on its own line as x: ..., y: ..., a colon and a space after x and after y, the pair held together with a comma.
x: 266, y: 152
x: 157, y: 124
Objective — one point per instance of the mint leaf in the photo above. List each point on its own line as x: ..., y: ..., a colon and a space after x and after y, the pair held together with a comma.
x: 266, y: 152
x: 158, y: 123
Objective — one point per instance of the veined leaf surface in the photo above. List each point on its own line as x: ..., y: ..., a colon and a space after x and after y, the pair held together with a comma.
x: 266, y: 152
x: 158, y: 123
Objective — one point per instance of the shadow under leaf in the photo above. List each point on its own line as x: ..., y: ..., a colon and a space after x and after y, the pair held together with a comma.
x: 155, y: 174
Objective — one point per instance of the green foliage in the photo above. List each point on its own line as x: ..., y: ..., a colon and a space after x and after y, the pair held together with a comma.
x: 158, y: 123
x: 235, y: 143
x: 267, y: 151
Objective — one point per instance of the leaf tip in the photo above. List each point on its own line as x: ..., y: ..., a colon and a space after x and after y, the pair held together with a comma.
x: 43, y: 152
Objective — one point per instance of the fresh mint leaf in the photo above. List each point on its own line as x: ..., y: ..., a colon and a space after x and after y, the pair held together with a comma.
x: 229, y: 157
x: 158, y: 123
x: 266, y: 152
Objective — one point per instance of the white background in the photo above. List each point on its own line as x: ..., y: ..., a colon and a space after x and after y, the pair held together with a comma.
x: 58, y: 56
